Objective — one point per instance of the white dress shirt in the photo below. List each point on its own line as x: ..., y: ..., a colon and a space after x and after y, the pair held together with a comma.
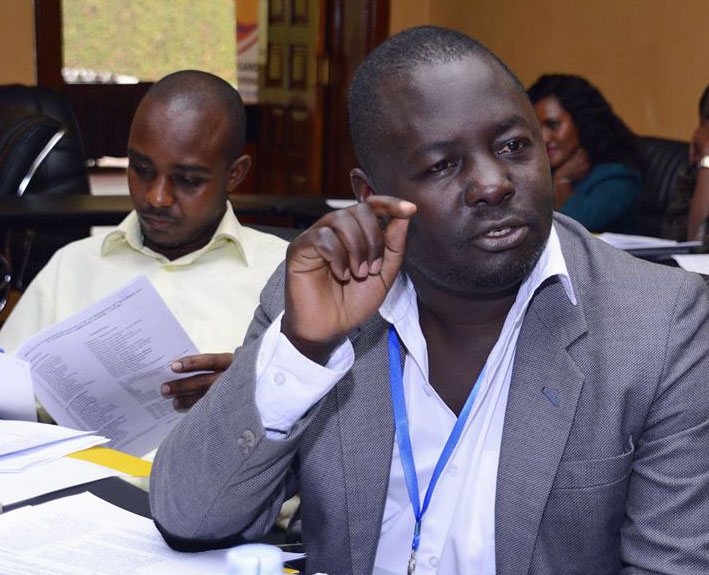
x: 458, y: 529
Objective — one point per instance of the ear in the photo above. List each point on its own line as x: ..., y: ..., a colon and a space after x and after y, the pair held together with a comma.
x: 361, y: 185
x: 237, y: 172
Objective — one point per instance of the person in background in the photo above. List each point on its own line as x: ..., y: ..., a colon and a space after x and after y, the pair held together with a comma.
x: 688, y: 209
x: 593, y: 155
x: 450, y: 335
x: 185, y: 155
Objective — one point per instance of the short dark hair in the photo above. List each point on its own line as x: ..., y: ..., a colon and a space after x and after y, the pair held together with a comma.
x: 202, y: 90
x: 398, y: 56
x: 603, y: 135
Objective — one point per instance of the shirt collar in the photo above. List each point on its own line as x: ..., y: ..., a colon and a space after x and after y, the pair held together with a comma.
x: 129, y: 235
x: 402, y: 295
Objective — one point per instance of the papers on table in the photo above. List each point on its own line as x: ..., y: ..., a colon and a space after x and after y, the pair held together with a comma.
x: 17, y: 395
x: 626, y: 242
x: 630, y: 242
x: 102, y: 368
x: 84, y: 535
x: 25, y: 443
x: 31, y: 460
x: 694, y: 262
x: 47, y: 478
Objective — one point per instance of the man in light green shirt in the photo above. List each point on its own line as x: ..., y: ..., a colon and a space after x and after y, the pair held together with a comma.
x: 185, y: 157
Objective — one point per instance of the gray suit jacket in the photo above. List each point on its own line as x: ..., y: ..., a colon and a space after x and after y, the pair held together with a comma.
x: 604, y: 463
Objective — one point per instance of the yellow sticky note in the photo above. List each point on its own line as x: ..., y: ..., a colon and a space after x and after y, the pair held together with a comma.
x: 115, y: 460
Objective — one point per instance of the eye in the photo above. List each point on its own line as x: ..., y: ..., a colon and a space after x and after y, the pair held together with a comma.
x: 552, y: 124
x: 442, y: 166
x: 184, y: 181
x: 512, y: 147
x: 143, y: 171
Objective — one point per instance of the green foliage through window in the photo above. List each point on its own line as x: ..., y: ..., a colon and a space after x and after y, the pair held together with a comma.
x: 151, y: 38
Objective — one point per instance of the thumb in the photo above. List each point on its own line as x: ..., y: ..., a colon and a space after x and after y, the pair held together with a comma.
x: 394, y: 248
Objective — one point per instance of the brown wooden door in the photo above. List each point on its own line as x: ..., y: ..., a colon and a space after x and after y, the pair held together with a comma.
x: 314, y: 46
x: 291, y: 98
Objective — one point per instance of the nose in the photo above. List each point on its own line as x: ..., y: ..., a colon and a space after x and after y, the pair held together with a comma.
x: 160, y: 194
x: 546, y: 135
x: 488, y: 183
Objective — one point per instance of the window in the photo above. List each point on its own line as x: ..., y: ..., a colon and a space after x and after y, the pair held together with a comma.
x: 130, y: 41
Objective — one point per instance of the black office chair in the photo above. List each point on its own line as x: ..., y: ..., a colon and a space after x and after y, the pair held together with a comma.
x: 40, y: 153
x: 663, y: 160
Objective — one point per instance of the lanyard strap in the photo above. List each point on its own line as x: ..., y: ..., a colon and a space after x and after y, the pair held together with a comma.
x: 403, y: 439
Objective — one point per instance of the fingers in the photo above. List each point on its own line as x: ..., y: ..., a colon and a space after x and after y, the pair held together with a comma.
x: 354, y: 242
x: 202, y: 362
x: 186, y: 392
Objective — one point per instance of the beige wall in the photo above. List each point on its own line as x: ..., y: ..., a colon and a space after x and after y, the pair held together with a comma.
x: 650, y: 58
x: 408, y: 13
x: 17, y: 64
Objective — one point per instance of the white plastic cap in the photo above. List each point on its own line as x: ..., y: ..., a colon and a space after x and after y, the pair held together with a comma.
x: 255, y: 559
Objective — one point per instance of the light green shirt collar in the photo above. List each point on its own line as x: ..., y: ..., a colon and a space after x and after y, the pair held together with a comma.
x: 129, y: 235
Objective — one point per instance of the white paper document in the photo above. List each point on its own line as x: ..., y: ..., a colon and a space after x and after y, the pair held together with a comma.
x: 24, y: 444
x: 694, y: 262
x: 50, y: 477
x: 16, y: 436
x: 630, y: 242
x: 102, y: 368
x: 84, y: 535
x: 17, y: 399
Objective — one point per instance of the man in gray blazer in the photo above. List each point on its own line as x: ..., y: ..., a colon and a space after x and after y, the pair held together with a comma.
x: 454, y: 379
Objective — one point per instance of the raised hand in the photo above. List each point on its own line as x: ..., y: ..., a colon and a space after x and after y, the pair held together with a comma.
x: 339, y: 271
x: 186, y: 392
x: 574, y: 169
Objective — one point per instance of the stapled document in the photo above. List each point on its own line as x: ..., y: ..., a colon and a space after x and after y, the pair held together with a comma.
x: 102, y: 368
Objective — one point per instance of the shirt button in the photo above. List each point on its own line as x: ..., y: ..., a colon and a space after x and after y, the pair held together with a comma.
x: 427, y: 389
x: 279, y: 378
x: 452, y: 470
x: 433, y: 561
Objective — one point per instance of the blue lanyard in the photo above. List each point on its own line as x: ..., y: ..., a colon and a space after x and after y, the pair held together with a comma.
x: 401, y: 423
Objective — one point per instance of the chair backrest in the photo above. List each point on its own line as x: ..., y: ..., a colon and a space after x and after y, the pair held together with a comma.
x: 26, y: 139
x: 664, y: 159
x: 63, y: 171
x: 56, y: 166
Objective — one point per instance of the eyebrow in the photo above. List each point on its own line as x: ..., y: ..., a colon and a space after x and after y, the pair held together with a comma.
x: 500, y: 128
x: 511, y: 122
x: 194, y: 168
x: 138, y: 156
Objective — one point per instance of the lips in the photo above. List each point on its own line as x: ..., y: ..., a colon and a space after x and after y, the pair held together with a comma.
x: 500, y: 236
x: 157, y: 223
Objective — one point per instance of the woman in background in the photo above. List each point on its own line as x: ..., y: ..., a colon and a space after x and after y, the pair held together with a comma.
x: 593, y: 155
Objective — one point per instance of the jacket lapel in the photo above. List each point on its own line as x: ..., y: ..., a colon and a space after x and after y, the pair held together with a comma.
x: 367, y: 436
x: 544, y: 391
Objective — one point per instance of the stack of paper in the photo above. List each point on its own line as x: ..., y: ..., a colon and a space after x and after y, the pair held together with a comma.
x: 24, y: 443
x: 84, y: 535
x: 48, y: 478
x: 630, y: 242
x: 32, y: 460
